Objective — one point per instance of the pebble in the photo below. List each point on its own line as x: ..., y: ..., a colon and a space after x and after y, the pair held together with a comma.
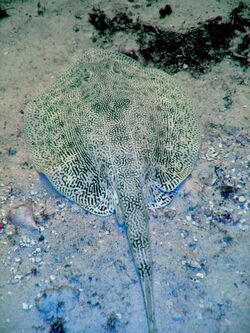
x: 10, y: 230
x: 17, y: 260
x: 38, y: 259
x: 12, y: 151
x: 26, y: 242
x: 242, y: 198
x: 213, y: 182
x: 61, y: 205
x: 194, y: 265
x: 25, y: 306
x: 41, y: 238
x: 211, y: 154
x: 200, y: 275
x: 22, y: 216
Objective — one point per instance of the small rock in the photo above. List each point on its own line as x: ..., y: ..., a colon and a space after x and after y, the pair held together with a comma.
x: 12, y: 151
x: 17, y: 259
x: 25, y: 306
x: 200, y: 275
x: 211, y: 154
x: 41, y: 238
x: 10, y: 230
x: 61, y: 205
x: 195, y: 265
x: 22, y: 216
x: 26, y: 165
x: 242, y: 198
x: 38, y: 260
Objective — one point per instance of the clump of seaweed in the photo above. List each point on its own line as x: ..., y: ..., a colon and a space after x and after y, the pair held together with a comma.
x: 57, y: 326
x: 3, y: 13
x: 194, y: 50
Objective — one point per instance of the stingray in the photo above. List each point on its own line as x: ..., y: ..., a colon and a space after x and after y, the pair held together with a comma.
x: 116, y: 138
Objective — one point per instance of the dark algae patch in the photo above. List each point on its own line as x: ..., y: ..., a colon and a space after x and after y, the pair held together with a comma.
x: 40, y: 9
x: 109, y: 26
x: 194, y: 50
x: 243, y: 50
x: 112, y: 323
x: 55, y: 304
x: 164, y: 11
x: 227, y: 189
x: 3, y: 13
x: 57, y: 326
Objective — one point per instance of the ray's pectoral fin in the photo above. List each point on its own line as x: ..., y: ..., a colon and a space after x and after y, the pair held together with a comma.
x: 159, y: 197
x: 163, y: 186
x: 83, y: 187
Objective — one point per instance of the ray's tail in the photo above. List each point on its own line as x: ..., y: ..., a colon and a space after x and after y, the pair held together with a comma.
x: 146, y: 284
x: 136, y: 216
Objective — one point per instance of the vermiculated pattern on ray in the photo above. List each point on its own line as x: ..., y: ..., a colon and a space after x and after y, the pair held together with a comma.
x: 111, y: 133
x: 104, y: 103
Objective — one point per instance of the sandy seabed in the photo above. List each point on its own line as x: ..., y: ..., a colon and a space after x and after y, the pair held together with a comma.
x: 74, y: 273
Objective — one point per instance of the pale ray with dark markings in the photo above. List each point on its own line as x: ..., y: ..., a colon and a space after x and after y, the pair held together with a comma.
x: 111, y: 133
